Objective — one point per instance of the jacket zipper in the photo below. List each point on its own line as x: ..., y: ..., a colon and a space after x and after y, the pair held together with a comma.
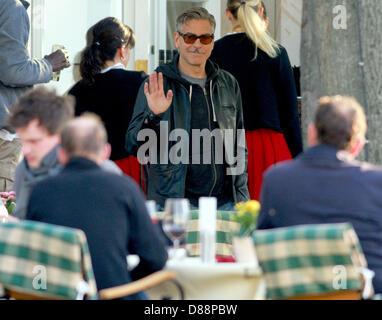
x: 212, y: 101
x: 212, y: 144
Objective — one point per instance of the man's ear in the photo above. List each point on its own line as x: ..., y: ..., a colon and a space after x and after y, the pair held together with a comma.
x: 261, y: 12
x: 62, y: 156
x: 176, y: 39
x: 357, y: 146
x: 228, y: 14
x: 312, y: 135
x: 106, y: 152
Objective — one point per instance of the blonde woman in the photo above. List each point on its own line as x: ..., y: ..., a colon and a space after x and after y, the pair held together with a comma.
x: 266, y: 81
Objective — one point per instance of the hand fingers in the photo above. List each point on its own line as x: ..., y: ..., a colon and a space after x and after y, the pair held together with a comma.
x: 169, y: 95
x: 160, y: 82
x: 153, y: 82
x: 146, y: 89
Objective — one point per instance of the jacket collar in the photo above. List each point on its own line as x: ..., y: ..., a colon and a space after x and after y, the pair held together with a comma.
x: 25, y: 3
x: 80, y: 163
x: 327, y: 155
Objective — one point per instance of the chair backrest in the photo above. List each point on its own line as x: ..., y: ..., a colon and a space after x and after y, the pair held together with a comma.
x: 310, y: 260
x: 45, y: 260
x: 224, y: 227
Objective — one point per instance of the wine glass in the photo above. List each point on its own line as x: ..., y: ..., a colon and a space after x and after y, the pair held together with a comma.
x: 175, y: 221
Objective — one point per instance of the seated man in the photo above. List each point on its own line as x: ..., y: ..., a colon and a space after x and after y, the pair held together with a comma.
x: 38, y: 118
x: 326, y: 185
x: 109, y: 208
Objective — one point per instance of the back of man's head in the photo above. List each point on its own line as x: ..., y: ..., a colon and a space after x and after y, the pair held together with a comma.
x: 84, y: 136
x: 339, y: 121
x: 51, y: 111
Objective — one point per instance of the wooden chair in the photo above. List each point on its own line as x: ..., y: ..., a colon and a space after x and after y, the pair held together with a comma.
x: 48, y: 262
x: 311, y: 262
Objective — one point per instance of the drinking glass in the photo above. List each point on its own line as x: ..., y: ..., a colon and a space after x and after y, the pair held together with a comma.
x: 56, y: 74
x: 175, y: 221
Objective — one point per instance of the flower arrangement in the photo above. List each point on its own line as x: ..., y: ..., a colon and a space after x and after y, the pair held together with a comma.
x: 246, y: 217
x: 8, y: 199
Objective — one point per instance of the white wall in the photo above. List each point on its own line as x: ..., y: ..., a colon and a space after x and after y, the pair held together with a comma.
x: 290, y: 28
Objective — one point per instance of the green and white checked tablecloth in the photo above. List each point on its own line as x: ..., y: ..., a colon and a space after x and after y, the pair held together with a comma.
x: 46, y: 260
x: 224, y: 227
x: 309, y: 259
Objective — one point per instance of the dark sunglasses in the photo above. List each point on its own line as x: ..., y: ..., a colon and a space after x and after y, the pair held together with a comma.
x: 191, y: 38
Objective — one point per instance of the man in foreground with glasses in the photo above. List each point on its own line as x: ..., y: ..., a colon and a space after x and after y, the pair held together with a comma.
x: 182, y: 102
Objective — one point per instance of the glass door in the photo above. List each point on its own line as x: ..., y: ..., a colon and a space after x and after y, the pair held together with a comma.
x: 66, y: 23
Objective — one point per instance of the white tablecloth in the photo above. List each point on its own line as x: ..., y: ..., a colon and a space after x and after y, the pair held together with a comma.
x: 219, y: 281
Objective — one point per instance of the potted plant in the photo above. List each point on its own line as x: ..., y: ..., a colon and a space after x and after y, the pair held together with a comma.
x: 246, y: 218
x: 8, y: 199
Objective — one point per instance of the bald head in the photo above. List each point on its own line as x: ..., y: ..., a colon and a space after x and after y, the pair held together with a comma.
x: 84, y: 136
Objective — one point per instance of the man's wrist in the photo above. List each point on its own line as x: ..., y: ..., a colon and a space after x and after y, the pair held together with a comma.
x: 152, y: 117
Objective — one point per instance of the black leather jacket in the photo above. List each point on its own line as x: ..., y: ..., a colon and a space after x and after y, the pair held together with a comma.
x: 168, y: 180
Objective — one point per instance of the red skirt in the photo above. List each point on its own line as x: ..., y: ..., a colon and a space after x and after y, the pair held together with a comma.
x: 132, y: 167
x: 265, y: 148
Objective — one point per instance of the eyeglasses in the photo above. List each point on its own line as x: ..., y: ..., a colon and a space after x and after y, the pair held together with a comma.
x: 191, y: 38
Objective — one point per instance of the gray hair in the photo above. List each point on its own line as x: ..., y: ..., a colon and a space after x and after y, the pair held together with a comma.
x: 195, y: 13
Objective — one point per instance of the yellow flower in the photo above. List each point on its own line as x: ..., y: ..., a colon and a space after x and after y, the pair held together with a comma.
x: 252, y: 206
x: 246, y: 216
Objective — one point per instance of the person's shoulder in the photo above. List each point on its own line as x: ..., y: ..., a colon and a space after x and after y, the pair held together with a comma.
x: 121, y: 182
x: 227, y: 77
x: 368, y: 168
x: 9, y: 5
x: 126, y: 75
x: 281, y: 169
x: 282, y: 53
x: 77, y: 87
x: 46, y: 185
x: 20, y: 168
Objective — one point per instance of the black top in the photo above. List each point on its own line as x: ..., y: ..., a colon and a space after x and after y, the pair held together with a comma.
x: 111, y: 210
x: 267, y: 87
x: 112, y: 97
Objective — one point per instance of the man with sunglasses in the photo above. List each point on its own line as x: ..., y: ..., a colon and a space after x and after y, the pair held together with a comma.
x: 192, y: 94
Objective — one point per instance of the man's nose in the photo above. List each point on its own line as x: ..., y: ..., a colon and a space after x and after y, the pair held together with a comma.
x: 197, y: 43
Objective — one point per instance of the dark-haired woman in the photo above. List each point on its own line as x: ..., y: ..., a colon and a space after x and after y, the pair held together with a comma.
x: 107, y: 88
x: 263, y: 71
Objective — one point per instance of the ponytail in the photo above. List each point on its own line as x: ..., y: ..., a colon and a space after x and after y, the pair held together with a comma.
x: 246, y: 12
x: 104, y: 40
x: 91, y: 63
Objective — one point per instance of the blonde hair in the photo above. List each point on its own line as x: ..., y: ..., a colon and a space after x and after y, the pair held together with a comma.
x: 247, y: 14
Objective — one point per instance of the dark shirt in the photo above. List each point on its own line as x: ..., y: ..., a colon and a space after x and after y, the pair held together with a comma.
x: 267, y: 87
x: 112, y: 97
x: 111, y: 210
x: 205, y: 179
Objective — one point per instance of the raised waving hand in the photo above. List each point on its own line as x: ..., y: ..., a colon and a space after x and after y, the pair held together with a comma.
x: 157, y: 100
